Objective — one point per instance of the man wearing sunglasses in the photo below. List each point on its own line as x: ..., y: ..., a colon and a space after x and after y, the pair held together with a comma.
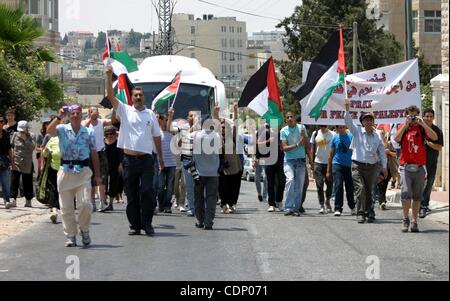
x: 139, y: 136
x: 76, y: 144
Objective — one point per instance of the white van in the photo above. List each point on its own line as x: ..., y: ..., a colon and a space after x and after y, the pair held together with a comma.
x: 199, y: 89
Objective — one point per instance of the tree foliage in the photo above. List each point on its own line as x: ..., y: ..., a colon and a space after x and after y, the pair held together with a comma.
x: 311, y: 25
x: 24, y: 83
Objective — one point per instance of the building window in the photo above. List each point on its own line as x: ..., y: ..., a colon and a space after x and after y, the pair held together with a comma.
x: 34, y: 7
x: 436, y: 70
x: 432, y: 21
x: 224, y: 69
x: 231, y: 43
x: 192, y: 29
x: 193, y: 42
x: 224, y: 43
x: 415, y: 21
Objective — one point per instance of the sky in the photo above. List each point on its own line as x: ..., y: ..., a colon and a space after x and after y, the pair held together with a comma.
x: 100, y: 15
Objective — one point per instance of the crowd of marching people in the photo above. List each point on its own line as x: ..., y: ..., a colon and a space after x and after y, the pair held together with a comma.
x: 194, y: 166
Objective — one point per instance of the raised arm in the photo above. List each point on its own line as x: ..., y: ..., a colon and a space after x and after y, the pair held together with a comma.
x: 51, y: 129
x: 109, y: 88
x: 348, y: 118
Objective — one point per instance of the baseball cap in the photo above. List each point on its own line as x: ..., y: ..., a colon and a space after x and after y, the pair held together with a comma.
x: 365, y: 115
x: 22, y: 126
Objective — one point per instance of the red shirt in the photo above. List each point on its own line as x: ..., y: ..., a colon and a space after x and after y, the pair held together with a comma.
x: 413, y: 149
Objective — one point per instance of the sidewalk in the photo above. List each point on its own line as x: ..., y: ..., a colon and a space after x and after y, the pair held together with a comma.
x: 439, y: 204
x: 16, y: 220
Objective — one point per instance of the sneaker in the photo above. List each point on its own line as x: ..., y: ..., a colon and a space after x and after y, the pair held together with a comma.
x: 54, y: 218
x: 271, y: 209
x: 279, y: 206
x: 13, y: 204
x: 405, y: 225
x: 190, y: 213
x: 85, y: 238
x: 260, y: 198
x: 383, y: 206
x: 133, y: 232
x: 414, y: 227
x: 103, y: 206
x: 182, y: 209
x: 337, y: 213
x: 361, y: 219
x: 322, y: 210
x: 199, y: 225
x: 232, y: 209
x: 302, y: 210
x: 167, y: 210
x: 27, y: 204
x: 428, y: 210
x: 354, y: 212
x: 371, y: 219
x: 208, y: 227
x: 8, y: 205
x: 110, y: 207
x: 296, y: 213
x: 225, y: 209
x: 149, y: 231
x: 328, y: 205
x: 71, y: 242
x: 423, y: 212
x: 288, y: 212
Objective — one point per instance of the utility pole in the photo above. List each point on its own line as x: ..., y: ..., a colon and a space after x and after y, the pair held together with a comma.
x: 409, y: 36
x: 164, y: 10
x: 355, y: 47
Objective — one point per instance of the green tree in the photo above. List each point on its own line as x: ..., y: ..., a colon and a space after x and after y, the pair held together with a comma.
x: 65, y: 40
x: 24, y: 83
x: 134, y: 38
x: 309, y: 28
x: 101, y: 40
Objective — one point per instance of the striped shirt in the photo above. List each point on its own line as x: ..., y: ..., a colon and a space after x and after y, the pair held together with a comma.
x: 168, y: 156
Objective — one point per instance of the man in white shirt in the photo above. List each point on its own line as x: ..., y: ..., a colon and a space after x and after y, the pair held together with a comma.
x: 321, y: 142
x: 139, y: 135
x: 96, y: 125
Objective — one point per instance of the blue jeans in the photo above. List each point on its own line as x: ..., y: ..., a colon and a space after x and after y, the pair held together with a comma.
x: 138, y: 179
x: 295, y: 178
x: 342, y: 174
x: 189, y: 187
x: 258, y: 175
x: 165, y: 190
x: 5, y: 182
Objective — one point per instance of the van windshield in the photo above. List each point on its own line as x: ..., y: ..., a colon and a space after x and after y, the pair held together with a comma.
x: 190, y: 98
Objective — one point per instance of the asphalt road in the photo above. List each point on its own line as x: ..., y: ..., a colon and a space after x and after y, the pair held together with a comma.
x: 252, y: 245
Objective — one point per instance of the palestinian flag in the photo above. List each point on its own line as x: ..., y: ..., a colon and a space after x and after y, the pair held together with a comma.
x: 162, y: 101
x: 261, y: 94
x: 326, y: 74
x: 124, y: 87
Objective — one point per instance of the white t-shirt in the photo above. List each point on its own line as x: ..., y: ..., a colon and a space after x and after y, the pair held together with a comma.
x: 98, y: 134
x: 323, y: 145
x: 137, y: 129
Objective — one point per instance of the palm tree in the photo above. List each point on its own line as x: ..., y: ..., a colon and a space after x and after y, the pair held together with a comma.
x: 17, y: 33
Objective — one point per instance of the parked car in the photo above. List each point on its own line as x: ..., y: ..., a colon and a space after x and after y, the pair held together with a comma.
x: 249, y: 171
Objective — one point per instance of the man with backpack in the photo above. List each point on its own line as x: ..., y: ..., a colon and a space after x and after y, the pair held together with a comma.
x: 412, y: 137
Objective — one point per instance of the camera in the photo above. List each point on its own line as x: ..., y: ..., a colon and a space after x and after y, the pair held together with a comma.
x: 190, y: 166
x: 66, y: 109
x: 413, y: 117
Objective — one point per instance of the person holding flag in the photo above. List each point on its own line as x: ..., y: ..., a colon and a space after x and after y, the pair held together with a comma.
x: 138, y: 125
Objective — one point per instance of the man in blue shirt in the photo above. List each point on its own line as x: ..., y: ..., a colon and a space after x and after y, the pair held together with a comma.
x: 340, y: 170
x: 293, y: 140
x: 76, y: 143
